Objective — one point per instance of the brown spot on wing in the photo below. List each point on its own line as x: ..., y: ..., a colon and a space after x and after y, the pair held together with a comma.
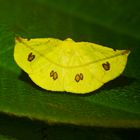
x: 31, y: 57
x: 51, y: 73
x: 106, y: 66
x: 125, y: 52
x: 55, y: 76
x: 77, y: 78
x: 81, y: 76
x: 19, y: 39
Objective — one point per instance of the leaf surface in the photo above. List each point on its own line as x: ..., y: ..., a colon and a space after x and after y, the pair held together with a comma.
x: 115, y: 105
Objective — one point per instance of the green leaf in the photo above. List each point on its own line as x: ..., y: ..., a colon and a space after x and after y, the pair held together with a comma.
x: 115, y: 105
x: 13, y: 128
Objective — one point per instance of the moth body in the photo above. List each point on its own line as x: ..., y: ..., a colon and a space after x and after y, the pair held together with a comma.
x: 76, y: 67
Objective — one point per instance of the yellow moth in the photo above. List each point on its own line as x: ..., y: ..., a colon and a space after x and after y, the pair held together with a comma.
x: 77, y: 67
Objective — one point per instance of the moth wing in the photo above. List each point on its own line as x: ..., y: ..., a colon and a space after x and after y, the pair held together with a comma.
x: 30, y: 52
x: 74, y: 67
x: 106, y: 62
x: 49, y: 77
x: 81, y: 80
x: 97, y: 64
x: 42, y: 53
